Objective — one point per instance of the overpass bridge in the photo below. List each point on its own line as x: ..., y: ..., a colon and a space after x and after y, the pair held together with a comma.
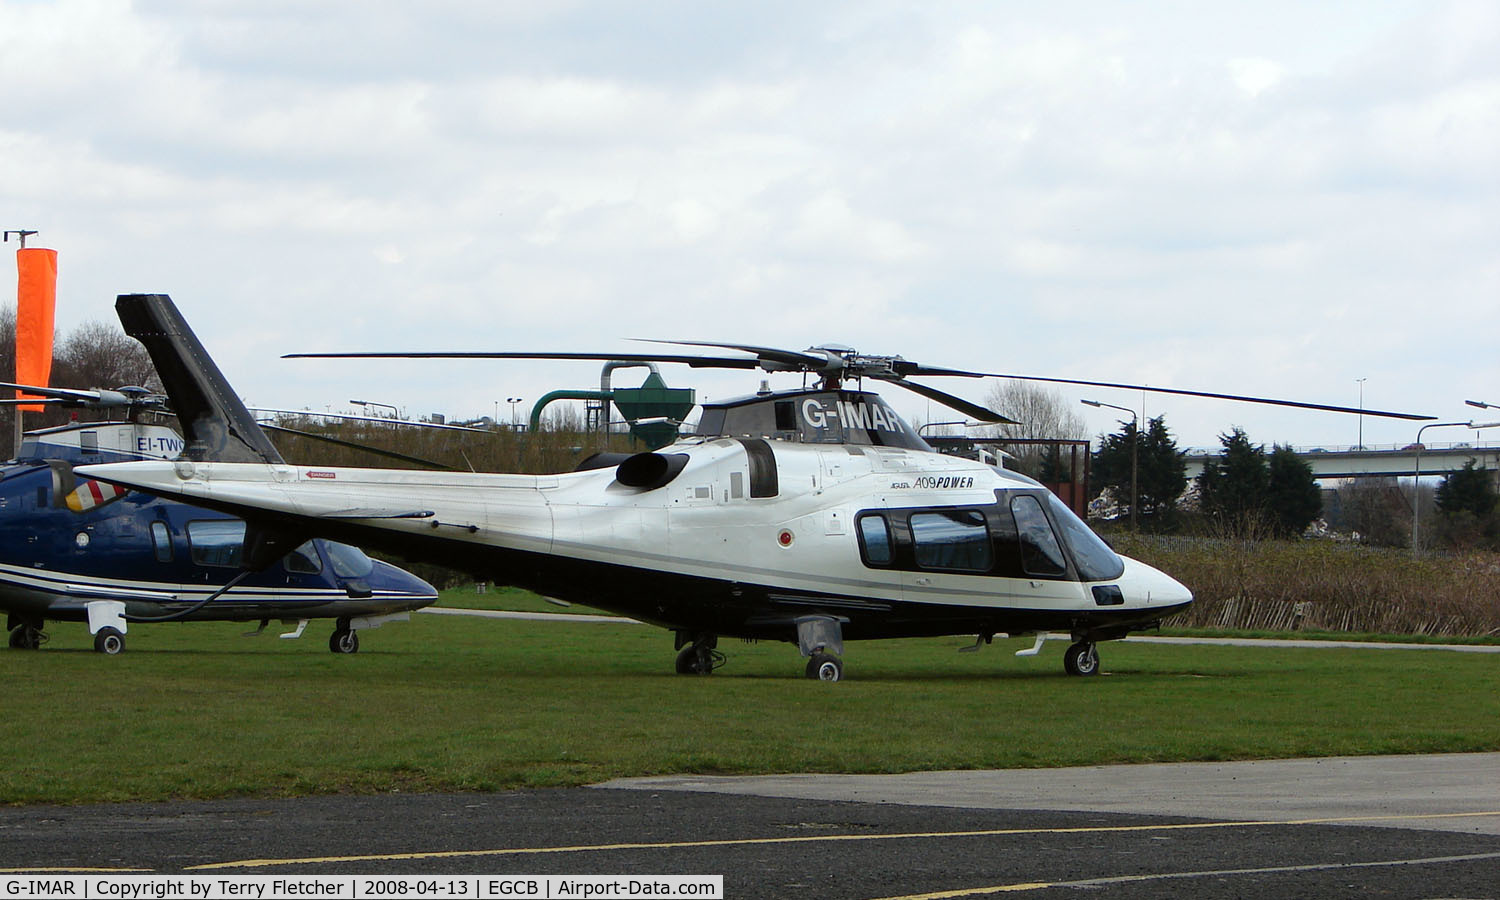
x: 1393, y: 461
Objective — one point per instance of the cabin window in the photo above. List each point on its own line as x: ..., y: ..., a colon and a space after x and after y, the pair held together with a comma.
x: 1093, y: 558
x: 216, y: 542
x: 1041, y: 554
x: 875, y: 540
x: 951, y: 539
x: 161, y: 541
x: 304, y: 560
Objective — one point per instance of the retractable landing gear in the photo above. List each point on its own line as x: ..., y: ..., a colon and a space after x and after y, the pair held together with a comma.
x: 26, y: 634
x: 821, y: 640
x: 343, y: 639
x: 1082, y: 658
x: 697, y: 655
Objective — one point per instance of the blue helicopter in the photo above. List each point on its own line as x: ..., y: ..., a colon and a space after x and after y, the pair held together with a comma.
x: 77, y: 550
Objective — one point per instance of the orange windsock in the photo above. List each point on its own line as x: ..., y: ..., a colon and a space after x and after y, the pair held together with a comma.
x: 36, y: 304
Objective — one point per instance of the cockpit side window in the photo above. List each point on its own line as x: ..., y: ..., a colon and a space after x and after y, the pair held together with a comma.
x: 303, y: 560
x: 1006, y: 540
x: 1041, y: 554
x: 216, y: 542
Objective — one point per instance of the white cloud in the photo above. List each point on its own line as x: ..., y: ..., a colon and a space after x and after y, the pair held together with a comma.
x: 1254, y: 76
x: 1256, y: 206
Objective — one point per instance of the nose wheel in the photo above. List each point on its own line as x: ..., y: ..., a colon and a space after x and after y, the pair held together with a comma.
x: 1081, y: 659
x: 343, y: 639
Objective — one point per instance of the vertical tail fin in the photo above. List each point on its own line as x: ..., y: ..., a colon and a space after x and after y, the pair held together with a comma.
x: 216, y: 425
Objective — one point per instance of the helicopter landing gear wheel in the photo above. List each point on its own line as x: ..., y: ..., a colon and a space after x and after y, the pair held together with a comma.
x: 825, y: 667
x: 1081, y: 659
x: 26, y: 637
x: 343, y: 640
x: 690, y: 662
x: 109, y: 641
x: 700, y: 657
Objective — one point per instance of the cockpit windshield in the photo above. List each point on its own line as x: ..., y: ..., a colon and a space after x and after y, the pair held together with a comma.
x: 347, y: 561
x: 1092, y: 557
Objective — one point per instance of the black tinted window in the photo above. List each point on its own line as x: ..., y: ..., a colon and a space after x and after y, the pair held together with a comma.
x: 1094, y: 559
x: 1041, y: 554
x: 161, y: 541
x: 954, y: 539
x: 216, y: 542
x: 875, y: 540
x: 303, y: 560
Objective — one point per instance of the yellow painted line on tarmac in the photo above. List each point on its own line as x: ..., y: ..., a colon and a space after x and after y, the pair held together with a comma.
x: 76, y: 870
x: 812, y: 839
x: 1212, y: 873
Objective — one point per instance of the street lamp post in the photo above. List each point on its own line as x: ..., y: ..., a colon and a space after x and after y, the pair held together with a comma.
x: 1416, y: 481
x: 1135, y: 440
x: 513, y: 401
x: 1361, y: 444
x: 395, y: 413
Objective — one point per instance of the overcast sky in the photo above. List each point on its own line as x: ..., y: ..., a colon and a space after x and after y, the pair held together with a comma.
x: 1274, y: 199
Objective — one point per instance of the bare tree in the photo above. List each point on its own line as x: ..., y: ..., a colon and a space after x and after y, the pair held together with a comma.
x: 8, y: 373
x: 97, y: 355
x: 93, y: 355
x: 1041, y: 414
x: 1379, y: 511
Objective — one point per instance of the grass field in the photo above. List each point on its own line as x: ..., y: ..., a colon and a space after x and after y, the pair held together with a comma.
x: 451, y: 703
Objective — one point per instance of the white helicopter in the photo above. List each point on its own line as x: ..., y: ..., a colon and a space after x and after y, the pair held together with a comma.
x: 813, y: 516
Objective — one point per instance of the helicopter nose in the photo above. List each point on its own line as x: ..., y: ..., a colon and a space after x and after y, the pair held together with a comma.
x: 388, y: 578
x: 1149, y: 586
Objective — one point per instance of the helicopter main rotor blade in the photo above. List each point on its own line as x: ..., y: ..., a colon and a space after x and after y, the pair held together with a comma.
x: 697, y: 362
x: 392, y: 454
x: 309, y: 414
x: 65, y: 395
x: 790, y: 358
x: 773, y: 359
x: 1216, y: 396
x: 972, y: 410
